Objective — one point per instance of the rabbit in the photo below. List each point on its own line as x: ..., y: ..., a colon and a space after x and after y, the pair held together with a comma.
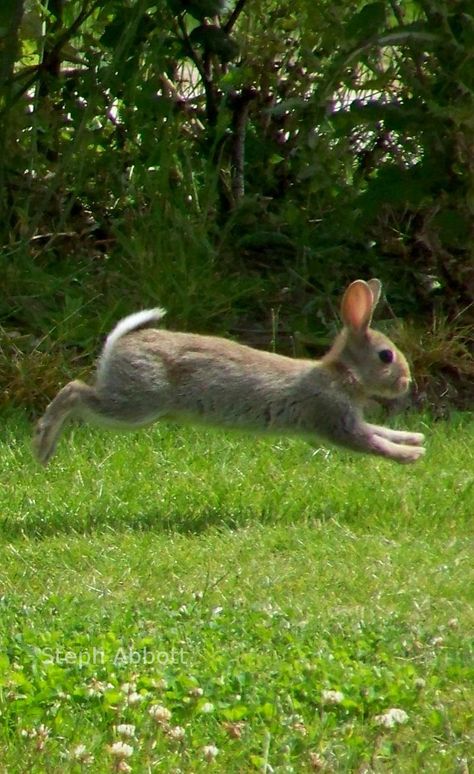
x: 146, y: 373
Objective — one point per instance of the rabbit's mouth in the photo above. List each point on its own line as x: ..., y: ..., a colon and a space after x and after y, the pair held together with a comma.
x: 395, y: 388
x: 402, y: 384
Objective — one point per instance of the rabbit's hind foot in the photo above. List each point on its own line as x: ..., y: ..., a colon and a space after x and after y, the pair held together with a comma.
x: 71, y: 400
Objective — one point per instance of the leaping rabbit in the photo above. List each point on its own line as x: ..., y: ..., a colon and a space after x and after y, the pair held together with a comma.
x: 145, y: 373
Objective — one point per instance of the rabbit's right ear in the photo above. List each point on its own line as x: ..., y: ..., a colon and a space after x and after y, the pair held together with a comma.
x: 357, y: 306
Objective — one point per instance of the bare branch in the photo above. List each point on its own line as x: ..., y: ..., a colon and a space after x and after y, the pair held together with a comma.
x: 239, y: 7
x: 211, y: 98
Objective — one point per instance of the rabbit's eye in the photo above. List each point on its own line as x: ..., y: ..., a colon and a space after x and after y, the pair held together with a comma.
x: 386, y: 355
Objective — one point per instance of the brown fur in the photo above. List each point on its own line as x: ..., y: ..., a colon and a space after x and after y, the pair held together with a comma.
x: 145, y: 374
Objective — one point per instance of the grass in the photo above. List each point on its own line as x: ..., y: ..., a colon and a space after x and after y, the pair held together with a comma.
x: 276, y: 600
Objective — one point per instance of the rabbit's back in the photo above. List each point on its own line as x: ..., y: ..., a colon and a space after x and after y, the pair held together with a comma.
x: 205, y: 378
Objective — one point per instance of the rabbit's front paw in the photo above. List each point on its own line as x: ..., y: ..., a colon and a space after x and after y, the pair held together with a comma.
x: 400, y: 452
x: 414, y: 439
x: 397, y: 436
x: 410, y: 453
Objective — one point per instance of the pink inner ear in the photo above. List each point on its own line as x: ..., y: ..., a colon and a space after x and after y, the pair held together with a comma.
x: 356, y: 308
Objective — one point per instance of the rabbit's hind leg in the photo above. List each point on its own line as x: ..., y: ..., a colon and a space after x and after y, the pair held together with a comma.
x: 75, y: 398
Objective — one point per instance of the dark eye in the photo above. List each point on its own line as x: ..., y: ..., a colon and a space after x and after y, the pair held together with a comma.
x: 386, y: 355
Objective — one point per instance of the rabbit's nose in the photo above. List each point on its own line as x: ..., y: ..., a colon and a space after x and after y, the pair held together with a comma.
x: 403, y: 383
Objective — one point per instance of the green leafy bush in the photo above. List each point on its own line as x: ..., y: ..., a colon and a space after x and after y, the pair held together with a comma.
x: 216, y: 157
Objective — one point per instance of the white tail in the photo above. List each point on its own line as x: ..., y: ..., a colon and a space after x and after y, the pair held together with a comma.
x: 131, y: 323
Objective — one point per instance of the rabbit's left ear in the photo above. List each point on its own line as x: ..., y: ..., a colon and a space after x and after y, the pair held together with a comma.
x: 376, y: 287
x: 357, y: 305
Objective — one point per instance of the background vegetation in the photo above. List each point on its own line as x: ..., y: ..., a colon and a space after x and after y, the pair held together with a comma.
x: 237, y: 162
x: 227, y: 159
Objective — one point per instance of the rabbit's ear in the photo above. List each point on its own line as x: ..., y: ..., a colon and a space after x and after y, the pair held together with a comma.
x: 376, y: 287
x: 357, y: 305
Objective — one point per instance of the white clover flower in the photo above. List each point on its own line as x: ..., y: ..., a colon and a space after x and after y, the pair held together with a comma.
x: 210, y: 752
x: 159, y: 713
x: 332, y: 697
x: 177, y: 733
x: 79, y: 751
x: 134, y: 698
x: 81, y: 754
x: 196, y: 692
x: 125, y: 729
x: 160, y: 685
x: 391, y: 718
x: 121, y: 750
x: 41, y: 734
x: 300, y: 728
x: 315, y: 761
x: 235, y: 729
x: 97, y: 688
x: 207, y: 708
x: 128, y: 687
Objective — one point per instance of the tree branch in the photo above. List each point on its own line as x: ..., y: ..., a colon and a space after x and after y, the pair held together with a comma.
x: 239, y: 7
x: 211, y: 99
x: 10, y: 45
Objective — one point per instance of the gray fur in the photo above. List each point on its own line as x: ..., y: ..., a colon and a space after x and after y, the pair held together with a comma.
x: 145, y: 374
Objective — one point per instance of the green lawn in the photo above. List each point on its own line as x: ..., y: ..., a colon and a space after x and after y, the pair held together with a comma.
x: 278, y: 601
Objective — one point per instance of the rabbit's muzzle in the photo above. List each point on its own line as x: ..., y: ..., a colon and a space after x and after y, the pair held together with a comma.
x: 402, y: 384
